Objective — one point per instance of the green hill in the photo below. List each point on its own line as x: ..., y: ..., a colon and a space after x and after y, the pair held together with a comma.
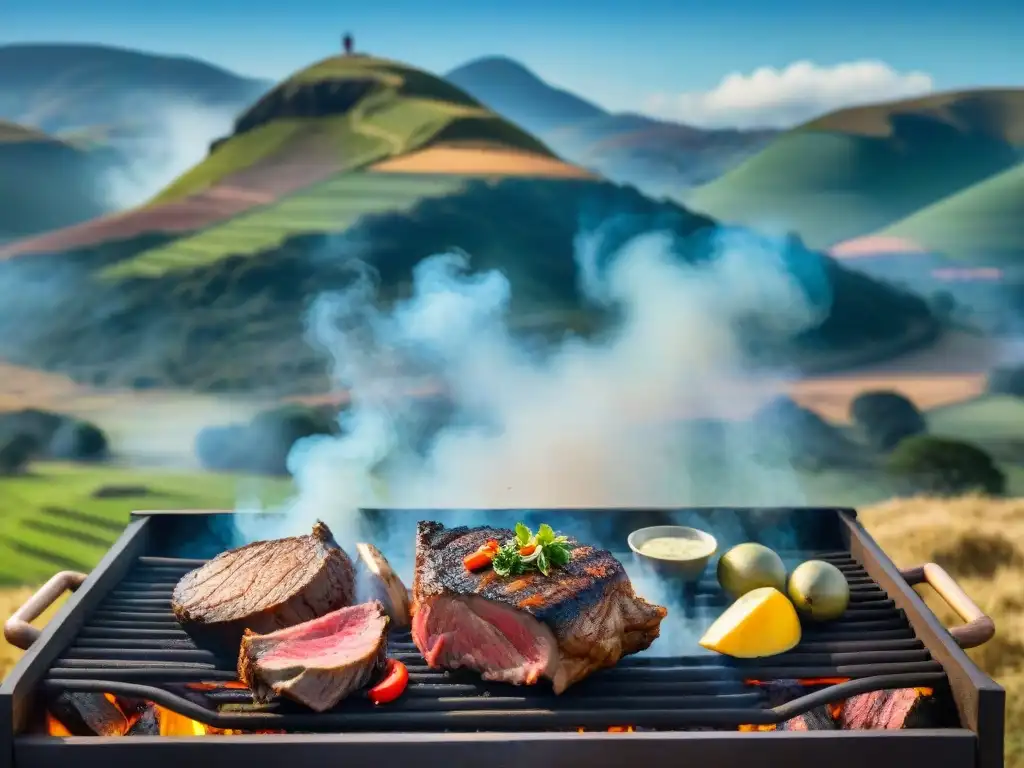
x: 982, y: 224
x: 208, y: 286
x: 46, y: 183
x: 360, y: 110
x: 859, y: 170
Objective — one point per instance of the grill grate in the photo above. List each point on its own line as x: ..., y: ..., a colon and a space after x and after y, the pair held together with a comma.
x: 132, y: 646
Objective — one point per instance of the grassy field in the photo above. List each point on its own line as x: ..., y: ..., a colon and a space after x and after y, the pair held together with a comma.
x: 51, y: 518
x: 331, y: 206
x: 859, y: 170
x: 978, y: 223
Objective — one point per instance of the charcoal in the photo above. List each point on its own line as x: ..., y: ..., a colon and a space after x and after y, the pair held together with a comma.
x: 88, y: 714
x: 148, y: 724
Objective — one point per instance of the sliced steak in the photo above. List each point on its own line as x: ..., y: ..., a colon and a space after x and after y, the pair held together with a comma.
x: 564, y: 626
x: 320, y: 662
x: 376, y: 580
x: 262, y: 587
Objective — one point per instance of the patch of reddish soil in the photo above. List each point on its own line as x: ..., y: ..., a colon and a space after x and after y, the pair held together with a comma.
x: 874, y: 245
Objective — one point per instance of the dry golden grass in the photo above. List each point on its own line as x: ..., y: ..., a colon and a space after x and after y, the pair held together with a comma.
x: 980, y: 541
x: 10, y: 601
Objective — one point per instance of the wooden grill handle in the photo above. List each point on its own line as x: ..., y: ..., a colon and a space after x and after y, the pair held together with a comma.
x: 18, y: 631
x: 979, y: 628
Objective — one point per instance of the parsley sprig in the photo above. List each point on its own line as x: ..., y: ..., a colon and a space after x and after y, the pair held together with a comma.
x: 530, y: 551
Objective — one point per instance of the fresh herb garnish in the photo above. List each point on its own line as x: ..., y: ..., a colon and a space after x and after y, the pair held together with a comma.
x: 528, y: 551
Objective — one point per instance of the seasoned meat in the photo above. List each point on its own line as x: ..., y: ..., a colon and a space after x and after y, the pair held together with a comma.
x: 564, y: 626
x: 376, y: 580
x: 262, y: 587
x: 320, y: 662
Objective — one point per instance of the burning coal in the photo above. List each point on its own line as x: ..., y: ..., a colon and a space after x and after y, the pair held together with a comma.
x: 591, y: 423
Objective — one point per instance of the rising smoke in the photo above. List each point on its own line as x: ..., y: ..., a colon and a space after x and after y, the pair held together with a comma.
x: 588, y: 424
x: 591, y: 423
x: 170, y: 137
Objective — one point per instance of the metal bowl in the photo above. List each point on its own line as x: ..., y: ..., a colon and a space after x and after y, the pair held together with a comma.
x: 687, y: 570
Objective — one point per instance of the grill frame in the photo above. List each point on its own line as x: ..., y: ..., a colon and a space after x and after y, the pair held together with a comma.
x: 979, y: 700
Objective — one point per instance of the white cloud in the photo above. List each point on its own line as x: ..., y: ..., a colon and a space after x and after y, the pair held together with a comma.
x: 780, y: 98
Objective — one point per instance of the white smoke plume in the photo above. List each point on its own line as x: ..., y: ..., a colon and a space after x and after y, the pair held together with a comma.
x: 171, y: 137
x: 595, y: 423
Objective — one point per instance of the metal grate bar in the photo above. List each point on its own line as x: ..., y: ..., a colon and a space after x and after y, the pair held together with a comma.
x: 132, y: 645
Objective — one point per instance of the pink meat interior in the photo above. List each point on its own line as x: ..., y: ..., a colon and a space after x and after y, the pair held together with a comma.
x: 330, y: 641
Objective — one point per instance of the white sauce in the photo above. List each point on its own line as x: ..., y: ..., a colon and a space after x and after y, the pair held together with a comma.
x: 675, y: 548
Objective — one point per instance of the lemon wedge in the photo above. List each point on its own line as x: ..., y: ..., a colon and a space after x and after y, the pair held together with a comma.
x: 761, y: 623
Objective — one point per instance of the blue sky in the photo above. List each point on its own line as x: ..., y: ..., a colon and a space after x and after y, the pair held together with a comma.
x: 617, y: 53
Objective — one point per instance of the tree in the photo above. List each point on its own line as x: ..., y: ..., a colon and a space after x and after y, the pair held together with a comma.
x: 885, y: 418
x: 1006, y: 380
x: 79, y: 441
x: 936, y: 465
x: 15, y: 453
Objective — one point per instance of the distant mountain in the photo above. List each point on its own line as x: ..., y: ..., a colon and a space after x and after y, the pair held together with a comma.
x: 46, y: 183
x: 859, y: 170
x: 658, y: 156
x: 60, y: 87
x: 355, y: 157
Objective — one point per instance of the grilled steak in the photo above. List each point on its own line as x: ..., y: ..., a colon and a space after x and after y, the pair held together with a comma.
x: 319, y: 662
x: 264, y: 586
x: 564, y: 626
x: 376, y: 580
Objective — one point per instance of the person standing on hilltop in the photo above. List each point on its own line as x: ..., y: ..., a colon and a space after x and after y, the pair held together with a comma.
x: 347, y: 43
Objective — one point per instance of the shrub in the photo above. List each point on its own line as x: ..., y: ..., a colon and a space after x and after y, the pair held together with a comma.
x: 263, y: 445
x: 886, y: 418
x: 927, y: 464
x: 39, y: 425
x: 223, y: 449
x: 78, y: 441
x: 15, y: 452
x: 1006, y: 380
x: 784, y: 429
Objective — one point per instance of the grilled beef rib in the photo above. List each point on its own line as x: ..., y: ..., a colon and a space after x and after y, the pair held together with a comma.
x: 320, y: 662
x: 564, y: 626
x: 264, y: 586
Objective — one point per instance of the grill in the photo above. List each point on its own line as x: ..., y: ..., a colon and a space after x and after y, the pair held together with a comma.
x: 117, y: 636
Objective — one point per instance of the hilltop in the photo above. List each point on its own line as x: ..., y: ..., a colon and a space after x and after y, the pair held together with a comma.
x: 66, y: 87
x: 859, y: 170
x: 356, y: 157
x: 659, y: 157
x: 45, y: 182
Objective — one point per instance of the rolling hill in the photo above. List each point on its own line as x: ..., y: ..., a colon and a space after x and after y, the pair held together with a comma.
x: 95, y: 89
x: 359, y: 158
x: 982, y: 224
x: 657, y: 156
x: 46, y: 183
x: 859, y: 170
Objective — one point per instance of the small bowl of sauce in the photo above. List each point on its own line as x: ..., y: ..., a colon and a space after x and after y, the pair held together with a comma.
x: 673, y: 550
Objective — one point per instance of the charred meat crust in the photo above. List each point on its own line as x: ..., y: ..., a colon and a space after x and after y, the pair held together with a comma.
x: 264, y: 586
x: 560, y: 602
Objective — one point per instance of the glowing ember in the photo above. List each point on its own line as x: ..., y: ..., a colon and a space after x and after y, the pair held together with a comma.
x: 612, y: 729
x: 54, y: 726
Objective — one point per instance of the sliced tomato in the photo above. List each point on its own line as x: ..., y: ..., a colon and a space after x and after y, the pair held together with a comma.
x: 393, y: 684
